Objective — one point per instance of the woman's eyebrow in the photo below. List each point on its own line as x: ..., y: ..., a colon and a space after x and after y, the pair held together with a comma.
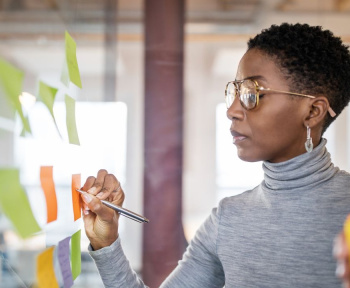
x: 254, y: 77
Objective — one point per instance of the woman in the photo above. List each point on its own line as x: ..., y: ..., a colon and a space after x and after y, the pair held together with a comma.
x: 291, y: 84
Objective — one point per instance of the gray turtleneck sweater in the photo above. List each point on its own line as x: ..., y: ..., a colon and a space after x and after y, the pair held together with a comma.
x: 278, y: 234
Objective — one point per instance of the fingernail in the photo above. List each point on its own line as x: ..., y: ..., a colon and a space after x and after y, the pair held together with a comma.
x: 340, y: 269
x: 91, y: 190
x: 99, y: 195
x: 87, y: 198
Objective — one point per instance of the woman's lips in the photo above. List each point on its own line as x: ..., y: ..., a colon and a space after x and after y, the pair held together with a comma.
x: 237, y: 137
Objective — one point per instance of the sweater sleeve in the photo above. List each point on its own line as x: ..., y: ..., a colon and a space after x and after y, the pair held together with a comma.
x: 200, y: 266
x: 114, y: 267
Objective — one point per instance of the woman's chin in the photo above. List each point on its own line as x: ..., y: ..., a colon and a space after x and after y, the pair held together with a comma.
x: 246, y: 156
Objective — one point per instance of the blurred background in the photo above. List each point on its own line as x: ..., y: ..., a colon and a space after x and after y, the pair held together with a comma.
x: 110, y: 37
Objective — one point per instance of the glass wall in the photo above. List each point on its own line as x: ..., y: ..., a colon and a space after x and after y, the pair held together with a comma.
x: 110, y: 64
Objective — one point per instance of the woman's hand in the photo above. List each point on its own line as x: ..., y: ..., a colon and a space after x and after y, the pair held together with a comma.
x: 341, y: 253
x: 101, y: 222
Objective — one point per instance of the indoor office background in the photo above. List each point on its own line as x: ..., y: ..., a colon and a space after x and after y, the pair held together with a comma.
x: 110, y: 37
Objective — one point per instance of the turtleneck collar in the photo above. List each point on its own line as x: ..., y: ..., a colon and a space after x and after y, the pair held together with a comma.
x: 301, y: 171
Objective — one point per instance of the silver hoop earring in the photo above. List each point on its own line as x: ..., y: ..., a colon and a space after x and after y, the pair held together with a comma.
x: 309, y: 146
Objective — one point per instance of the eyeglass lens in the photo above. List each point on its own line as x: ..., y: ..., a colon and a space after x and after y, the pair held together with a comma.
x: 247, y: 92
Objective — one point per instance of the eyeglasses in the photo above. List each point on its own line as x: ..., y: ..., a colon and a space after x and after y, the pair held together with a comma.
x: 248, y: 91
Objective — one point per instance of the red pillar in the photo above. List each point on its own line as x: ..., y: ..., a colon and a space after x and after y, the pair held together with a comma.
x: 163, y: 238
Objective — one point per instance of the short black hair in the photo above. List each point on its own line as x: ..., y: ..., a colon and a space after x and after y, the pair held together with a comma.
x: 313, y: 60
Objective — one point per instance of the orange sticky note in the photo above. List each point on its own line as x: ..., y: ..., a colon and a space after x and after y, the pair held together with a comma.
x: 45, y: 272
x: 48, y: 186
x: 76, y: 180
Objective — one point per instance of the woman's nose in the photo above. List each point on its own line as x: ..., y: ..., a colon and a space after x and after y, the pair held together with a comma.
x: 235, y: 111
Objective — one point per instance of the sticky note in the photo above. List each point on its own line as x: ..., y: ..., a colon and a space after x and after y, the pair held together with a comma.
x: 47, y: 95
x: 15, y: 204
x: 347, y: 231
x: 76, y: 254
x: 64, y: 261
x: 76, y: 180
x: 64, y: 73
x: 45, y: 272
x: 48, y: 186
x: 70, y: 121
x: 71, y: 63
x: 11, y: 80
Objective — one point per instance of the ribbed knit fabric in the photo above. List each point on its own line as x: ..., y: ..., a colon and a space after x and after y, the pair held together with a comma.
x: 279, y: 234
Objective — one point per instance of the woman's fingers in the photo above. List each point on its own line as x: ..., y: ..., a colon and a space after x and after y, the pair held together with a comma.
x: 99, y: 182
x: 103, y: 185
x: 88, y: 183
x: 110, y: 185
x: 101, y: 224
x: 96, y: 206
x: 117, y: 197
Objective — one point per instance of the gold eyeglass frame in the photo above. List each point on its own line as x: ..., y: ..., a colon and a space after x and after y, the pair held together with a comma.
x: 259, y: 88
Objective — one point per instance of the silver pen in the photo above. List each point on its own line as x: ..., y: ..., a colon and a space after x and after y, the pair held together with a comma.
x: 122, y: 211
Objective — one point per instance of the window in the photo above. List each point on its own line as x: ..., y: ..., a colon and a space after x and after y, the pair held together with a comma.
x: 101, y: 145
x: 233, y: 176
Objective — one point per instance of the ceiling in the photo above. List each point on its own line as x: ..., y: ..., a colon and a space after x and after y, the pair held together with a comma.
x: 33, y: 17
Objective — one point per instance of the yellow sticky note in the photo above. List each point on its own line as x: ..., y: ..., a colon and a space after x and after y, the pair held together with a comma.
x: 14, y: 203
x: 70, y: 121
x: 71, y: 63
x: 347, y: 231
x: 45, y: 272
x: 11, y: 80
x: 76, y: 254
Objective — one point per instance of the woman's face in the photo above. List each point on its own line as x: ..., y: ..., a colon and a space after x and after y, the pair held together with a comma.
x: 273, y: 131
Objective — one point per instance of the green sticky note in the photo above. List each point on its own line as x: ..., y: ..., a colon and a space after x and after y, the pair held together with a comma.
x: 47, y: 95
x: 11, y: 80
x: 25, y: 122
x: 70, y: 121
x: 75, y: 254
x: 14, y: 203
x: 71, y: 61
x: 6, y: 109
x: 64, y: 74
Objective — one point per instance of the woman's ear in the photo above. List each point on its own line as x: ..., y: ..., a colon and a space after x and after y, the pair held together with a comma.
x: 318, y: 111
